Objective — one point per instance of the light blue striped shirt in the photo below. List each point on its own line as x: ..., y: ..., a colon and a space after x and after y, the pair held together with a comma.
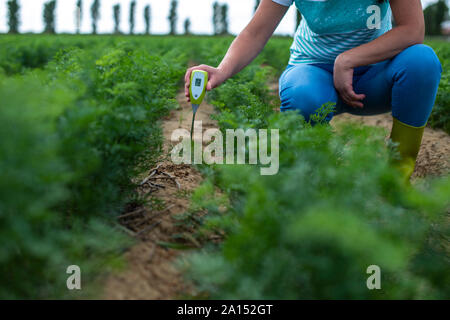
x: 330, y: 27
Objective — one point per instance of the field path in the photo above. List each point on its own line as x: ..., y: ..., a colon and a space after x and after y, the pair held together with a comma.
x: 150, y: 273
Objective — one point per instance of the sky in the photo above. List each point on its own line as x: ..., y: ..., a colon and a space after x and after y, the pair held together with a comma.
x: 199, y: 12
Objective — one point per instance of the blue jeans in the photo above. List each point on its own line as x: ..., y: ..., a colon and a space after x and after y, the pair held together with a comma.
x: 406, y: 85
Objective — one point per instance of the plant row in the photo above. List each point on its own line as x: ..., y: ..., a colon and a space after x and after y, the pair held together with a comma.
x: 74, y: 134
x: 336, y: 208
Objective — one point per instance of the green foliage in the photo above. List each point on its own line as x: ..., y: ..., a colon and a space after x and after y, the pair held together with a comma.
x: 85, y: 127
x: 13, y: 16
x: 173, y: 17
x: 310, y: 232
x: 147, y: 17
x: 116, y: 17
x: 49, y: 17
x: 79, y: 15
x: 125, y: 86
x: 440, y: 117
x: 215, y: 18
x: 244, y: 101
x: 435, y: 15
x: 90, y: 115
x: 95, y: 15
x: 336, y: 207
x: 40, y: 241
x: 132, y: 16
x: 187, y: 26
x: 224, y: 19
x: 220, y: 18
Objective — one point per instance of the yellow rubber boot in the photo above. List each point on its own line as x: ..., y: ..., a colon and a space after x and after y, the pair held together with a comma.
x: 409, y: 139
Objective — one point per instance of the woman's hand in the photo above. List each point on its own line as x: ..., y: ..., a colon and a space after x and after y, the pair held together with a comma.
x: 245, y: 47
x: 409, y: 30
x: 343, y: 82
x: 216, y: 77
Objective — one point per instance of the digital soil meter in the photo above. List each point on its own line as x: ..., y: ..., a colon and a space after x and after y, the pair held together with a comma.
x: 197, y: 91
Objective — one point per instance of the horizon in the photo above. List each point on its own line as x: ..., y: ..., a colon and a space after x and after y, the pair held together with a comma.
x: 200, y: 15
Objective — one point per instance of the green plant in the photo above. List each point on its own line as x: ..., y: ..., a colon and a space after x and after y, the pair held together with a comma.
x: 435, y: 15
x: 216, y: 17
x: 187, y: 26
x: 39, y: 240
x: 244, y: 101
x: 95, y: 14
x: 49, y: 16
x: 88, y: 124
x: 79, y: 15
x: 116, y: 16
x: 440, y: 117
x: 335, y: 208
x: 224, y: 18
x: 84, y: 129
x: 132, y: 16
x: 173, y: 16
x: 13, y: 16
x: 147, y: 17
x: 220, y: 18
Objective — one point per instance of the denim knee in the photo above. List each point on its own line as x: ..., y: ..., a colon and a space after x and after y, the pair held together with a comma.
x: 420, y: 61
x: 416, y: 73
x: 300, y: 98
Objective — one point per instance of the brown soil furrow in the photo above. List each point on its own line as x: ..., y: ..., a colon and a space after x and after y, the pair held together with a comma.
x: 150, y: 273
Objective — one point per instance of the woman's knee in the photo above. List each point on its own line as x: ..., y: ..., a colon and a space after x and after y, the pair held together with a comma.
x: 302, y: 98
x: 306, y: 88
x: 419, y: 61
x: 416, y: 75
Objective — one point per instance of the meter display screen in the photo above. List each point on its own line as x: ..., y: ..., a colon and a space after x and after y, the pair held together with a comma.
x: 198, y: 82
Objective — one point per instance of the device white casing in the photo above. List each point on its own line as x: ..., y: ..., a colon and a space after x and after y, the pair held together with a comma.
x: 195, y: 89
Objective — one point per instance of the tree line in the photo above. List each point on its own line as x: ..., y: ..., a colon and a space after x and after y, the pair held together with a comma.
x: 49, y: 17
x: 434, y: 14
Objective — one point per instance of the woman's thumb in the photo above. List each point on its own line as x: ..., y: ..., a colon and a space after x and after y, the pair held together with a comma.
x: 212, y: 83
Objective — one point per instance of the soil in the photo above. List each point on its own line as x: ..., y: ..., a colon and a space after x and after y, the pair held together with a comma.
x: 434, y: 155
x: 150, y: 273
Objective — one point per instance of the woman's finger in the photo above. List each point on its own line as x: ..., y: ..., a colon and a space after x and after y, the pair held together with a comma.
x: 187, y: 82
x: 212, y: 82
x: 213, y: 78
x: 347, y: 98
x: 186, y: 89
x: 354, y: 96
x: 357, y: 104
x: 351, y: 102
x: 187, y: 76
x: 353, y: 99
